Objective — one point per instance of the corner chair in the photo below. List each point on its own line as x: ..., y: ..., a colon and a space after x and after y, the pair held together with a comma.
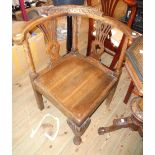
x: 75, y: 84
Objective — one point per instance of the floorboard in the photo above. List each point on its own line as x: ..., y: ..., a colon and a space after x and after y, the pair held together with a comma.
x: 26, y: 116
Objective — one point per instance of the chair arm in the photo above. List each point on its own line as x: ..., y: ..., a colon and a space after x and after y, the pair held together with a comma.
x: 19, y: 30
x: 53, y: 12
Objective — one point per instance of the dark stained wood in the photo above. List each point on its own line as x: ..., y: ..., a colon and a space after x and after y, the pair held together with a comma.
x: 127, y: 122
x: 134, y: 65
x: 128, y: 94
x: 108, y: 8
x: 133, y: 5
x: 134, y: 121
x: 116, y: 56
x: 69, y: 33
x: 75, y: 84
x: 75, y: 34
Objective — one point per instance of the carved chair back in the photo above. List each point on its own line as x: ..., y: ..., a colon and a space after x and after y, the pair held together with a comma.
x: 108, y: 9
x: 104, y: 25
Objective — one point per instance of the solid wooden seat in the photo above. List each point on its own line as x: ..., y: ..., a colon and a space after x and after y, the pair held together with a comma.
x: 76, y: 85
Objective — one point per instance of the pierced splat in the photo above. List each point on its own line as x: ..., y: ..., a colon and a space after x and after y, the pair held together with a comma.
x: 52, y: 46
x: 103, y: 31
x: 53, y: 50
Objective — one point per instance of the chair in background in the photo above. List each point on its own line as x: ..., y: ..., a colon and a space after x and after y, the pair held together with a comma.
x: 109, y: 9
x: 74, y: 83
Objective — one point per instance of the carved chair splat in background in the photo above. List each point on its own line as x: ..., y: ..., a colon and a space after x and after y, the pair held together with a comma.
x: 109, y: 9
x: 102, y: 31
x: 74, y: 83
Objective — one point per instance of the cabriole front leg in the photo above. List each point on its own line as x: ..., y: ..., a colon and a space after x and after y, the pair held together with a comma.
x: 78, y: 130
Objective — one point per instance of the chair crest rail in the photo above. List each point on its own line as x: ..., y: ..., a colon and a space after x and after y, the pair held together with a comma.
x: 70, y: 10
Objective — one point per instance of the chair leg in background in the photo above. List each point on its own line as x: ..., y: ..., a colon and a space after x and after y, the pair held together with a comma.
x: 111, y: 94
x: 128, y: 94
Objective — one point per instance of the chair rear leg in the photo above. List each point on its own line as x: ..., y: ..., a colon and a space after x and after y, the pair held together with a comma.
x: 110, y: 95
x: 39, y: 99
x: 114, y: 61
x: 38, y: 96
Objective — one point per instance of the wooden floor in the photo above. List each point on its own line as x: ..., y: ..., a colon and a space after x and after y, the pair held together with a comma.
x: 26, y: 116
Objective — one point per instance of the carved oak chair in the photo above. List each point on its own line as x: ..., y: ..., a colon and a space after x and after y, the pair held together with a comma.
x: 109, y: 8
x: 75, y: 84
